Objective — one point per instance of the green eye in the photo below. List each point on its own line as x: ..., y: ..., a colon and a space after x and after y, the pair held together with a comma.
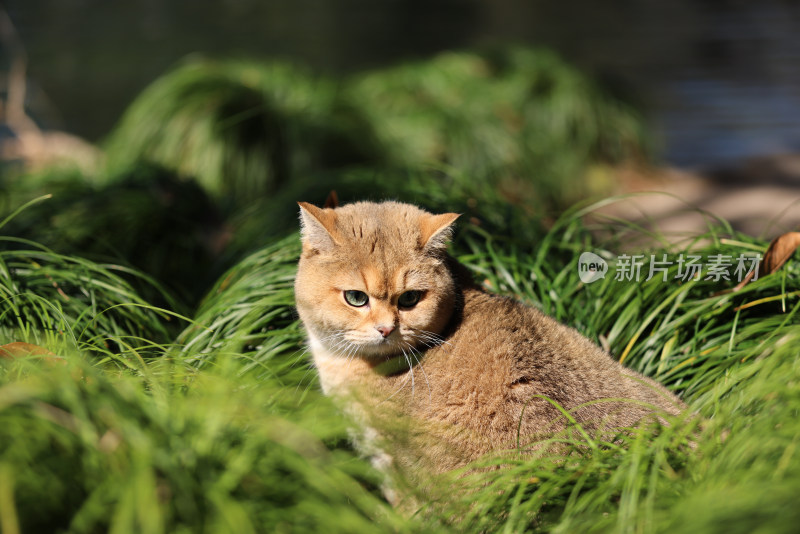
x: 409, y: 299
x: 356, y: 298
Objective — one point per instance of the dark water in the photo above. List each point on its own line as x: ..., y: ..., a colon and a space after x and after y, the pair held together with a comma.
x: 722, y: 78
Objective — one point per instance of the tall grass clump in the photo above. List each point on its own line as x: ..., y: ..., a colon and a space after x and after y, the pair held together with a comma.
x: 249, y: 315
x: 515, y: 120
x: 146, y: 218
x: 521, y: 119
x: 62, y: 301
x: 88, y: 450
x: 242, y: 129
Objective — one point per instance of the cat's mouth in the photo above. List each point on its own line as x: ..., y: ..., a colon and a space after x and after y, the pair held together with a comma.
x: 383, y: 348
x: 361, y: 346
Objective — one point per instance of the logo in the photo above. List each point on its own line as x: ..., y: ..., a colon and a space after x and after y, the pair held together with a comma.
x: 591, y: 267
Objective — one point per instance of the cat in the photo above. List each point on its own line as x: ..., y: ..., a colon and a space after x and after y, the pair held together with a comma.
x: 435, y: 368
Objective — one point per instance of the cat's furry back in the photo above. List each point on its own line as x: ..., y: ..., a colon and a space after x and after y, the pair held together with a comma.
x: 466, y: 371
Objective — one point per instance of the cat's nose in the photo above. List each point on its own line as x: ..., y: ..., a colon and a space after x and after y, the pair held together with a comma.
x: 385, y: 330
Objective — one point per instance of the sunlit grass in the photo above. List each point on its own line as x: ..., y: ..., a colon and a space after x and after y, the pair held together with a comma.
x: 227, y: 429
x: 520, y: 119
x: 249, y: 316
x: 67, y: 302
x: 87, y: 449
x: 242, y: 129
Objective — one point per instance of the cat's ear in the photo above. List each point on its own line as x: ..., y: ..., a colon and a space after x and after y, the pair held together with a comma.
x: 436, y: 230
x: 317, y: 226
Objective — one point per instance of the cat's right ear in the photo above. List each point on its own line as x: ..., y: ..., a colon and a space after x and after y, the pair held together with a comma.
x: 435, y: 230
x: 317, y: 226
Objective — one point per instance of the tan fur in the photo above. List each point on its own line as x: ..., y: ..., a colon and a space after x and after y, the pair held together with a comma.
x: 464, y: 372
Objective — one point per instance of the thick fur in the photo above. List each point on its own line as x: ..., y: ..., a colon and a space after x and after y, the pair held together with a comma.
x: 464, y: 372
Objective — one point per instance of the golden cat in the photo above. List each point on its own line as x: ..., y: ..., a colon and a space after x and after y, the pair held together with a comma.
x: 402, y: 335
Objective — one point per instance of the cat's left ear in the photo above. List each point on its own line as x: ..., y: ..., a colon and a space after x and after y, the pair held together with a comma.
x: 436, y: 230
x: 318, y: 226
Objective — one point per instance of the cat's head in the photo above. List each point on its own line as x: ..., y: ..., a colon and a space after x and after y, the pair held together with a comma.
x: 372, y: 279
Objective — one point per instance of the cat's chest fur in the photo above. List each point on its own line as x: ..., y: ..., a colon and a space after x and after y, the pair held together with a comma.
x: 337, y: 373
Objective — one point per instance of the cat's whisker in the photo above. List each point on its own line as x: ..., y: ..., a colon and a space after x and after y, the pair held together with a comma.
x: 437, y: 337
x: 409, y: 376
x: 331, y: 337
x: 339, y: 341
x: 410, y: 368
x: 333, y: 342
x: 417, y: 355
x: 432, y: 337
x: 300, y: 359
x: 438, y: 340
x: 350, y: 353
x: 309, y: 369
x: 396, y: 391
x: 343, y: 347
x: 340, y: 346
x: 353, y: 352
x: 427, y: 342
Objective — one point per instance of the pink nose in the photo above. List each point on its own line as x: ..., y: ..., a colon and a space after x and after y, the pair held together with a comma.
x: 385, y: 330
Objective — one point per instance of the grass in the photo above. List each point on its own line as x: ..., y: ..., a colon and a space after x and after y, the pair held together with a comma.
x: 70, y: 303
x: 241, y: 129
x: 87, y: 449
x: 732, y: 356
x: 249, y: 316
x: 502, y: 117
x: 681, y: 332
x: 245, y: 129
x: 206, y: 164
x: 173, y: 403
x: 147, y: 218
x: 227, y: 431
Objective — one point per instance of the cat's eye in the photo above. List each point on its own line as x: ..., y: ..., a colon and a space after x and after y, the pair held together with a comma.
x: 409, y: 299
x: 356, y: 298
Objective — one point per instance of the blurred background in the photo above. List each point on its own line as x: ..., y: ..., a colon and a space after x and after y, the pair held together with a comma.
x: 721, y: 78
x: 224, y: 112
